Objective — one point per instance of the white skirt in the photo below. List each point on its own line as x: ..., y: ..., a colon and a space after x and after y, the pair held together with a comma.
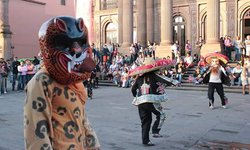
x: 150, y: 98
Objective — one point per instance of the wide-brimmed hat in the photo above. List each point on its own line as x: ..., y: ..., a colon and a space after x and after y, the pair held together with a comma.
x: 224, y: 59
x: 150, y: 65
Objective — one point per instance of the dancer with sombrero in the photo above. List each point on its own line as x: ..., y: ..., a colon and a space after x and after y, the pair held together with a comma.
x: 148, y: 92
x: 216, y: 76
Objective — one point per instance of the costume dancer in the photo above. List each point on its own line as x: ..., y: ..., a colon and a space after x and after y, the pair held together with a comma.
x: 148, y: 91
x: 216, y: 76
x: 54, y: 110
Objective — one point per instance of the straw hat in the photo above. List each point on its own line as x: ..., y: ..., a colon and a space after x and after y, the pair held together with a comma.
x: 150, y: 65
x: 216, y: 55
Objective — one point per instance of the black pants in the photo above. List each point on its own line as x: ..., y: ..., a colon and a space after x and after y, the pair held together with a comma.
x: 220, y: 91
x: 145, y: 112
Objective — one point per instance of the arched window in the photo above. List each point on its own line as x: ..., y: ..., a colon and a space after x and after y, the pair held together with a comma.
x: 111, y: 33
x: 179, y: 32
x: 246, y: 24
x: 204, y: 28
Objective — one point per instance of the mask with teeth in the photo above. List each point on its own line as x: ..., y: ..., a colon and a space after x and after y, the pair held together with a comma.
x: 65, y: 49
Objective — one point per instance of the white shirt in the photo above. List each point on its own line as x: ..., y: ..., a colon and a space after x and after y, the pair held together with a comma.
x: 215, y: 77
x: 174, y: 49
x: 247, y: 42
x: 188, y: 60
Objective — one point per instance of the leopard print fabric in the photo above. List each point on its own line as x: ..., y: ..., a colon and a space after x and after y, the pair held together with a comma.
x: 54, y: 116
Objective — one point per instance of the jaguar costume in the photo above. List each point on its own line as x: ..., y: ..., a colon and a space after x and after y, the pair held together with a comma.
x: 54, y: 111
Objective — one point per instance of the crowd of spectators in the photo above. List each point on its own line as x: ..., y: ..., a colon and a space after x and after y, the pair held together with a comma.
x: 18, y: 72
x: 112, y: 65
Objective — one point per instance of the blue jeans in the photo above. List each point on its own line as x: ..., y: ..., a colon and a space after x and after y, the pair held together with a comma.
x: 228, y: 52
x: 179, y: 77
x: 237, y: 54
x: 4, y: 85
x: 21, y: 82
x: 14, y: 81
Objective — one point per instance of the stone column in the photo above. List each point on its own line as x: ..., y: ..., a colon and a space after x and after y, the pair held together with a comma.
x: 150, y: 20
x: 97, y: 5
x: 166, y: 22
x: 141, y: 25
x: 213, y: 30
x: 166, y: 29
x: 5, y: 33
x: 120, y: 26
x: 127, y: 18
x: 213, y: 21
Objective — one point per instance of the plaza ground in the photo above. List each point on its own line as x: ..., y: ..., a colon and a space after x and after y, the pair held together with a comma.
x: 190, y: 123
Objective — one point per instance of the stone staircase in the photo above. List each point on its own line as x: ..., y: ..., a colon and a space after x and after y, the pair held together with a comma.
x: 106, y: 83
x: 186, y: 85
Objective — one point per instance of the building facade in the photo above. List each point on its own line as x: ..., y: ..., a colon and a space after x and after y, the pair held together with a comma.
x: 21, y: 21
x: 165, y: 21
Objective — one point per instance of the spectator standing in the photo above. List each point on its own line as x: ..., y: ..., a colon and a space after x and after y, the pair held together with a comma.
x: 4, y: 73
x: 199, y: 44
x: 222, y: 45
x: 36, y: 61
x: 228, y: 47
x: 15, y: 65
x: 175, y: 48
x: 237, y: 48
x: 96, y: 55
x: 247, y: 44
x: 106, y: 54
x: 245, y: 76
x: 22, y: 70
x: 10, y: 76
x: 110, y: 47
x: 30, y: 70
x: 133, y: 54
x: 188, y: 47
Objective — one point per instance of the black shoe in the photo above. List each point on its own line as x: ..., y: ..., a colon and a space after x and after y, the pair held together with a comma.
x: 149, y: 144
x: 157, y: 135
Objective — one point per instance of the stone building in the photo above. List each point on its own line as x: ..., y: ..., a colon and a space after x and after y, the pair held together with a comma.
x: 20, y: 21
x: 165, y: 21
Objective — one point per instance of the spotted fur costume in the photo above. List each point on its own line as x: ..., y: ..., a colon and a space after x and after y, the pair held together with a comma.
x: 54, y: 111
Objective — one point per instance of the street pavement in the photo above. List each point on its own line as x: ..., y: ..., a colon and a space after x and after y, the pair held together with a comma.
x: 190, y: 124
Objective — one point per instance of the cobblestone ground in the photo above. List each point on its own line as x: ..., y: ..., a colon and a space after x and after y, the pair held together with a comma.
x: 190, y: 123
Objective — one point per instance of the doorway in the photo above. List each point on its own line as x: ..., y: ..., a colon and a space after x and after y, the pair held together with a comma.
x: 179, y: 32
x: 111, y: 34
x: 246, y: 24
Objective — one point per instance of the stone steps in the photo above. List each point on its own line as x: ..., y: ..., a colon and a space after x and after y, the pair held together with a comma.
x: 203, y: 87
x: 184, y: 86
